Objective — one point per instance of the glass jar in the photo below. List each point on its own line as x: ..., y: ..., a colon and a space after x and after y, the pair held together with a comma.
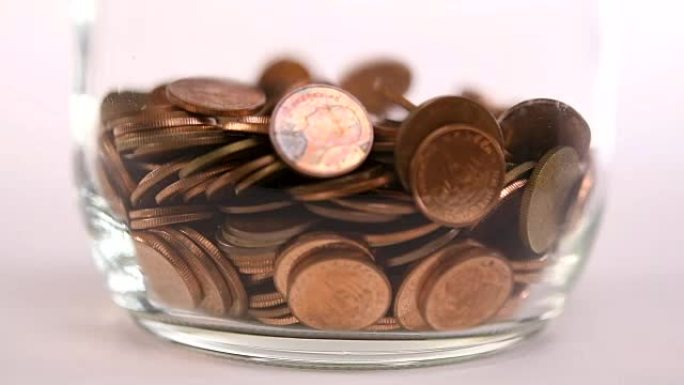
x: 342, y: 184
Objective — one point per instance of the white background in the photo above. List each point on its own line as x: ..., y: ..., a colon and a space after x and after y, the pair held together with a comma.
x: 623, y: 324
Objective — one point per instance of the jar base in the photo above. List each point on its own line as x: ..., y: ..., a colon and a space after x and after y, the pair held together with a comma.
x: 334, y: 353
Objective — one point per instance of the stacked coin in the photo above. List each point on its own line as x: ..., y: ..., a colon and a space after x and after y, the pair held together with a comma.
x: 294, y: 202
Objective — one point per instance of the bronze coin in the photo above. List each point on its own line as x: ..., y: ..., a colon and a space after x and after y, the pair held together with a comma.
x: 257, y: 280
x: 167, y: 276
x: 260, y: 176
x: 149, y: 121
x: 580, y: 196
x: 265, y: 300
x: 321, y: 131
x: 377, y: 204
x: 344, y: 186
x: 520, y: 171
x: 239, y: 296
x: 134, y: 141
x: 275, y: 226
x: 157, y: 212
x: 221, y: 154
x: 338, y: 289
x: 456, y: 175
x: 406, y: 300
x: 150, y: 223
x: 254, y: 207
x: 117, y: 104
x: 417, y: 249
x: 384, y: 324
x: 228, y: 179
x: 466, y: 290
x: 544, y: 202
x: 180, y: 186
x: 388, y: 238
x: 166, y: 149
x: 215, y: 96
x: 151, y: 182
x: 433, y: 114
x: 347, y: 215
x: 282, y: 75
x: 297, y: 249
x: 271, y: 312
x: 386, y: 129
x: 531, y: 264
x: 383, y: 146
x: 366, y: 80
x: 217, y: 297
x: 534, y: 127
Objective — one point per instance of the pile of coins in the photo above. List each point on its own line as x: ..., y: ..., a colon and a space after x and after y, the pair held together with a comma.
x: 300, y: 202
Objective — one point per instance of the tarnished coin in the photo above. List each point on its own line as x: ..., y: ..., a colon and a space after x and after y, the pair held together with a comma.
x: 433, y: 114
x: 168, y: 277
x: 282, y: 75
x: 338, y: 289
x: 239, y: 296
x: 406, y: 300
x: 456, y: 175
x: 321, y: 131
x: 533, y: 127
x: 544, y: 203
x: 215, y: 96
x: 366, y: 80
x: 297, y: 249
x: 466, y: 290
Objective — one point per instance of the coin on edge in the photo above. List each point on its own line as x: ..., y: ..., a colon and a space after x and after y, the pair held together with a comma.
x: 456, y: 175
x: 321, y: 131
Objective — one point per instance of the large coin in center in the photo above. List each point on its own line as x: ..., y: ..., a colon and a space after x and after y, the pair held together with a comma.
x: 456, y: 175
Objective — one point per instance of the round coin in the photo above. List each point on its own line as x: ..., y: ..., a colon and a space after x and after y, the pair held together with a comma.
x: 544, y: 202
x: 466, y: 290
x: 281, y: 75
x: 214, y: 96
x: 321, y: 131
x: 433, y: 114
x: 338, y: 289
x: 456, y: 175
x: 365, y: 83
x: 533, y: 127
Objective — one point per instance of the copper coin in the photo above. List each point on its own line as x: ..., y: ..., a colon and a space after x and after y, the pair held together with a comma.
x: 348, y: 215
x: 259, y: 120
x: 138, y: 140
x: 266, y: 227
x: 149, y: 121
x: 260, y: 176
x: 377, y: 204
x: 282, y: 75
x: 239, y: 296
x: 231, y: 177
x: 365, y: 83
x: 217, y: 297
x: 530, y: 265
x: 297, y: 249
x: 117, y: 104
x: 406, y: 300
x: 456, y: 175
x: 520, y: 171
x: 215, y: 96
x: 272, y: 312
x: 388, y: 238
x: 151, y: 182
x: 433, y: 114
x: 165, y: 149
x: 383, y: 146
x: 219, y: 155
x: 386, y: 129
x: 114, y: 164
x: 321, y: 131
x: 534, y: 127
x: 418, y: 249
x: 384, y: 324
x: 544, y: 203
x: 157, y: 212
x: 247, y: 128
x: 580, y: 196
x: 265, y: 300
x: 512, y: 305
x: 338, y: 289
x: 178, y: 187
x: 150, y: 223
x: 343, y: 187
x: 529, y: 277
x: 254, y: 207
x: 167, y: 276
x: 466, y: 290
x: 279, y: 321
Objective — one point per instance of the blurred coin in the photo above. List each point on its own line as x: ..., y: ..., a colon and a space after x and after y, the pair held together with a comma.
x: 265, y: 300
x: 260, y: 176
x: 338, y: 289
x: 178, y: 187
x: 150, y: 223
x: 346, y: 214
x: 109, y: 193
x: 215, y: 96
x: 344, y: 186
x: 433, y: 114
x: 279, y: 321
x: 520, y: 171
x: 114, y: 165
x: 321, y: 131
x: 544, y: 202
x: 377, y: 204
x: 219, y: 155
x: 466, y: 289
x: 456, y: 175
x: 272, y: 312
x: 228, y: 179
x: 117, y: 104
x: 519, y: 294
x: 580, y: 196
x: 534, y: 127
x: 251, y: 207
x: 155, y: 179
x: 393, y: 237
x: 365, y: 81
x: 157, y: 212
x: 384, y: 324
x: 281, y: 75
x: 168, y: 277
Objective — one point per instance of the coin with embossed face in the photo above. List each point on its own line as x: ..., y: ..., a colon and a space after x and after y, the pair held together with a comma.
x: 457, y: 174
x: 321, y: 131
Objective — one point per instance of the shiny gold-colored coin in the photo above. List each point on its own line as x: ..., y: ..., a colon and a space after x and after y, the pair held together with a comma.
x: 221, y: 154
x: 168, y: 277
x: 215, y: 96
x: 366, y: 80
x: 407, y: 301
x: 466, y: 290
x: 321, y: 131
x: 433, y: 114
x: 534, y: 127
x: 232, y: 278
x: 544, y: 203
x: 456, y: 175
x: 294, y: 251
x: 338, y: 289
